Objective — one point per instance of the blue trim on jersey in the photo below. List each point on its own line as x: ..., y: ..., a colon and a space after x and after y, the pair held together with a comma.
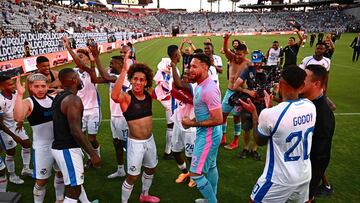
x: 271, y: 145
x: 34, y: 165
x: 2, y: 142
x: 261, y: 134
x: 191, y: 90
x: 173, y: 104
x: 70, y: 167
x: 99, y: 103
x: 262, y: 192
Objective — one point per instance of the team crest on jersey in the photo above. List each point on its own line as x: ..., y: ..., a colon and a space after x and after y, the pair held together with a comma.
x: 133, y: 168
x: 82, y: 176
x: 43, y: 171
x: 10, y: 142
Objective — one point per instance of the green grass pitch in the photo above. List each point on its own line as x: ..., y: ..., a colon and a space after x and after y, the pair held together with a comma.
x: 237, y: 177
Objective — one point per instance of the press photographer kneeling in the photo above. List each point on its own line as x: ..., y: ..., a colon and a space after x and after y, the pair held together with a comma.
x: 258, y: 78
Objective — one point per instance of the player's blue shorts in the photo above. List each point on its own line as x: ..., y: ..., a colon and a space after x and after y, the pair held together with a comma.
x: 207, y: 143
x: 226, y: 108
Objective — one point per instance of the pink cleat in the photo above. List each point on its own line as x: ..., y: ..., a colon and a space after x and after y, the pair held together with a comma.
x: 149, y: 198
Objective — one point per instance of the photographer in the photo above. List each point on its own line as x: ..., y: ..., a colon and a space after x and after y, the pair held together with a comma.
x: 258, y: 78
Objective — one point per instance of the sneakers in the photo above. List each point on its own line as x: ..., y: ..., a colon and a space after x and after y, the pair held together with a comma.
x: 231, y: 146
x: 244, y: 154
x: 16, y: 179
x: 191, y: 183
x: 148, y: 198
x: 27, y: 172
x: 168, y: 156
x: 256, y: 155
x: 182, y: 177
x: 223, y: 139
x: 201, y: 201
x: 116, y: 174
x: 323, y: 191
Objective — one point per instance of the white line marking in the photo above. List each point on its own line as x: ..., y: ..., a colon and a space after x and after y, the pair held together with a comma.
x: 138, y: 51
x: 345, y: 66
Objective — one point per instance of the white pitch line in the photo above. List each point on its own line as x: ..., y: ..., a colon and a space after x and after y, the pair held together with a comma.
x: 138, y: 51
x: 345, y: 66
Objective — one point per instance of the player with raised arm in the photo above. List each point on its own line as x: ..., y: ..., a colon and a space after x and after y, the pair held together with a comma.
x: 287, y: 130
x: 237, y: 63
x: 136, y: 105
x: 290, y: 52
x: 89, y: 96
x: 12, y: 132
x: 67, y: 110
x: 208, y: 120
x: 118, y: 123
x: 37, y: 109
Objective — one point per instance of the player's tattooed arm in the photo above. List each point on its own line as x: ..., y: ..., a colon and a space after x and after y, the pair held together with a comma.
x: 22, y: 108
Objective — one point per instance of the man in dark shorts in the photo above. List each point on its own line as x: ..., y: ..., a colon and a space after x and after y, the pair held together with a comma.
x: 324, y: 125
x: 68, y: 139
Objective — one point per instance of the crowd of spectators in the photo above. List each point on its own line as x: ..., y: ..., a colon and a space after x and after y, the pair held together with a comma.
x: 37, y: 17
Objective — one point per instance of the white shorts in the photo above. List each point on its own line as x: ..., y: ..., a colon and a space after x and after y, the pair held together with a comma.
x: 119, y: 128
x: 183, y: 139
x: 7, y: 142
x: 70, y: 162
x: 168, y: 111
x: 140, y: 153
x: 266, y: 191
x: 91, y: 121
x: 2, y: 164
x: 43, y: 162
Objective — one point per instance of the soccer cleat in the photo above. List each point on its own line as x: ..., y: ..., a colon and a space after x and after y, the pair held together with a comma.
x: 27, y: 172
x: 324, y: 191
x: 168, y: 156
x: 223, y: 139
x: 244, y: 154
x: 116, y: 174
x: 148, y: 198
x: 16, y: 179
x: 201, y: 201
x: 256, y: 155
x: 182, y: 177
x: 231, y: 146
x: 191, y: 183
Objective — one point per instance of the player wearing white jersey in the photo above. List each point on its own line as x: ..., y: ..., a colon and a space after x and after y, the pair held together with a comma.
x: 37, y: 109
x: 318, y: 58
x: 216, y: 61
x: 273, y: 55
x: 12, y: 132
x: 119, y: 127
x: 287, y: 130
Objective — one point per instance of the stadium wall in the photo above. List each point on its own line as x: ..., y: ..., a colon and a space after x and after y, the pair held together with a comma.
x: 353, y: 11
x: 28, y: 64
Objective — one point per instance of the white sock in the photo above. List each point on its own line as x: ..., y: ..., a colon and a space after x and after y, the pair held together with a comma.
x: 121, y: 169
x: 83, y: 197
x: 59, y: 188
x: 39, y: 193
x: 69, y: 200
x: 126, y: 190
x: 182, y: 166
x: 3, y: 183
x: 169, y: 133
x: 25, y: 155
x: 10, y: 164
x: 146, y: 183
x: 97, y: 151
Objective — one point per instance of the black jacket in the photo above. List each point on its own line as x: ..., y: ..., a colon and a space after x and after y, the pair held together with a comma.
x: 353, y: 43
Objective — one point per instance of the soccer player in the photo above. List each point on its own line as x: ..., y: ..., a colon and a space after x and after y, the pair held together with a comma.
x: 330, y: 47
x: 216, y: 62
x: 12, y: 132
x: 273, y: 55
x: 37, y: 109
x: 164, y: 82
x: 318, y: 58
x: 290, y: 52
x: 324, y: 125
x: 187, y: 53
x: 208, y: 120
x: 43, y: 66
x: 118, y: 123
x: 182, y: 139
x: 89, y: 96
x: 67, y: 110
x: 287, y: 130
x: 237, y: 63
x: 136, y: 106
